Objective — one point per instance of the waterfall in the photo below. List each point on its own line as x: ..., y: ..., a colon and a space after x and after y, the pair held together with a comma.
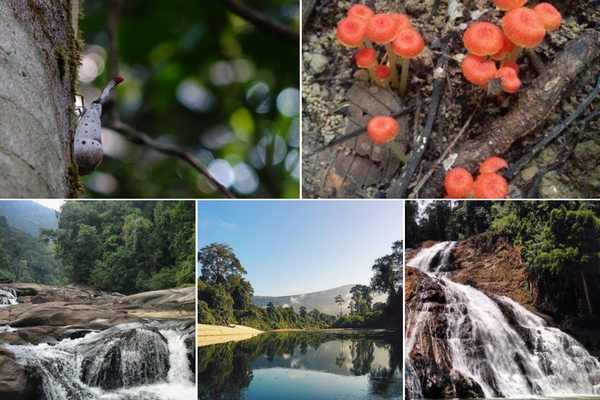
x: 505, y: 349
x: 8, y: 297
x: 127, y: 362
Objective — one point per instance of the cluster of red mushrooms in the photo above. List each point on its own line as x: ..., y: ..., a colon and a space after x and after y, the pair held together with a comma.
x: 362, y: 28
x: 522, y: 28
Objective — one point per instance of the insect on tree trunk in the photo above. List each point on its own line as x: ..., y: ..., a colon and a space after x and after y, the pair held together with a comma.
x: 39, y: 57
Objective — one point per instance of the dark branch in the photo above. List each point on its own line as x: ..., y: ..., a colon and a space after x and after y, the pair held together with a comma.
x: 262, y: 21
x: 141, y: 138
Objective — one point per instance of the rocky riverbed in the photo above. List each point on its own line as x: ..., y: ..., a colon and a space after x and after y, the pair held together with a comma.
x: 122, y: 345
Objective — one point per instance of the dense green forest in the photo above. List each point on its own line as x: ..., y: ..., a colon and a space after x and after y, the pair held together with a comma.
x: 127, y: 246
x: 118, y: 246
x: 225, y: 296
x: 560, y: 242
x: 28, y: 216
x: 201, y: 77
x: 27, y: 258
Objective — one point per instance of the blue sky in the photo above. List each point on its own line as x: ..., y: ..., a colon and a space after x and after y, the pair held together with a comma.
x: 293, y: 247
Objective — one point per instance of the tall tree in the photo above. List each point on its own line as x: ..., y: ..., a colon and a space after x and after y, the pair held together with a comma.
x: 339, y: 300
x: 218, y: 262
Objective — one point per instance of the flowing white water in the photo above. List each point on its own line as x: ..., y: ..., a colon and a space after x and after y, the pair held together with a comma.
x: 8, y: 297
x: 136, y: 357
x: 509, y: 354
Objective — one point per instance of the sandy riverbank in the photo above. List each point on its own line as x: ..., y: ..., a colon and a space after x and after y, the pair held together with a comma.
x: 213, y: 334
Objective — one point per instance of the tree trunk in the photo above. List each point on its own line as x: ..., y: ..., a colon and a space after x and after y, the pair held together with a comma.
x: 39, y: 57
x: 585, y: 291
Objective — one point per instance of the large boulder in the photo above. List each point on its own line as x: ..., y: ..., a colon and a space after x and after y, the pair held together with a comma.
x: 122, y: 357
x: 16, y: 381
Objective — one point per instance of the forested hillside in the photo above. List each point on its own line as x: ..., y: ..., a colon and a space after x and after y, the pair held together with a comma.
x: 26, y: 258
x: 558, y: 241
x: 28, y: 216
x: 225, y: 296
x: 127, y: 246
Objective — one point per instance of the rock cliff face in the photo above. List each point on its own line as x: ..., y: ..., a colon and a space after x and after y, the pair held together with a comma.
x: 473, y: 329
x: 48, y: 315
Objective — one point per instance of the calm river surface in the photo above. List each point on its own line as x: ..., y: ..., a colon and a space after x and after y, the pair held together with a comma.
x: 303, y: 366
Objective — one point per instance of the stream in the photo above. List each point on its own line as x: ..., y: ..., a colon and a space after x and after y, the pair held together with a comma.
x: 134, y: 361
x: 491, y: 343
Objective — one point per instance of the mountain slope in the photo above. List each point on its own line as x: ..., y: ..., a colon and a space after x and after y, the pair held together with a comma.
x: 28, y: 216
x: 322, y: 301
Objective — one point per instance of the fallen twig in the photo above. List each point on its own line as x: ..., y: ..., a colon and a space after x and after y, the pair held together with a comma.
x: 354, y: 133
x: 515, y: 168
x: 138, y: 137
x: 399, y: 187
x: 532, y: 109
x: 424, y: 180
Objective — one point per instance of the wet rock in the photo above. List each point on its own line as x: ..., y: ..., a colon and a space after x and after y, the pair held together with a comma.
x: 128, y: 358
x: 16, y: 381
x: 318, y: 63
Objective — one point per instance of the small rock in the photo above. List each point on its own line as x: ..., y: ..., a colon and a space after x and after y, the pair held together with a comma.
x: 317, y: 62
x: 528, y: 173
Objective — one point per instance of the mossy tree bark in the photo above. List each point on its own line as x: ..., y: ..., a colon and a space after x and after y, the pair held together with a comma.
x: 39, y: 57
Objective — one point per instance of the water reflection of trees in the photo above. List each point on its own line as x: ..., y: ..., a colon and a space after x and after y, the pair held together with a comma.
x: 225, y: 370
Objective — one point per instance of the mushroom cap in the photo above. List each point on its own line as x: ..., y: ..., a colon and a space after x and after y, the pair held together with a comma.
x: 458, y: 183
x: 492, y: 165
x: 408, y: 44
x: 490, y: 186
x: 383, y: 71
x: 478, y: 70
x: 510, y: 64
x: 509, y: 80
x: 365, y: 57
x: 350, y: 32
x: 524, y: 27
x: 549, y: 15
x: 381, y: 29
x: 507, y: 5
x: 507, y: 48
x: 382, y: 129
x: 360, y: 11
x: 402, y: 21
x: 483, y: 39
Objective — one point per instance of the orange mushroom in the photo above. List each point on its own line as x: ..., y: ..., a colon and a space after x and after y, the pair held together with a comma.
x: 383, y: 73
x: 492, y: 165
x: 510, y: 64
x: 407, y: 45
x: 382, y: 29
x: 483, y: 39
x: 360, y: 11
x: 366, y: 58
x: 458, y: 183
x: 509, y: 80
x: 351, y: 32
x: 490, y: 186
x: 523, y: 27
x: 549, y: 15
x: 382, y: 129
x: 507, y: 48
x: 508, y: 5
x: 478, y: 70
x: 402, y: 21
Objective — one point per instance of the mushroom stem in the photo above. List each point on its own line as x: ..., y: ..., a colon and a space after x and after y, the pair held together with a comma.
x: 372, y: 73
x: 514, y: 54
x: 392, y: 63
x: 537, y: 62
x: 404, y: 76
x: 367, y: 43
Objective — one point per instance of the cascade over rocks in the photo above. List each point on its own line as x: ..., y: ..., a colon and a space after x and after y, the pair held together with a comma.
x: 123, y: 359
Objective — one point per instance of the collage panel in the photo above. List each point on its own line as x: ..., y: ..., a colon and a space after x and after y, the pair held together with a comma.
x: 300, y: 300
x: 97, y: 300
x: 482, y: 99
x: 501, y: 299
x: 149, y: 99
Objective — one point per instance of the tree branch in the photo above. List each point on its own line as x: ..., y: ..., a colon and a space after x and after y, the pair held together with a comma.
x: 262, y: 21
x: 141, y: 138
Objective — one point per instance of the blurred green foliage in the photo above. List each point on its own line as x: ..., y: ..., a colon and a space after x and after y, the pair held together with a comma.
x: 204, y: 79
